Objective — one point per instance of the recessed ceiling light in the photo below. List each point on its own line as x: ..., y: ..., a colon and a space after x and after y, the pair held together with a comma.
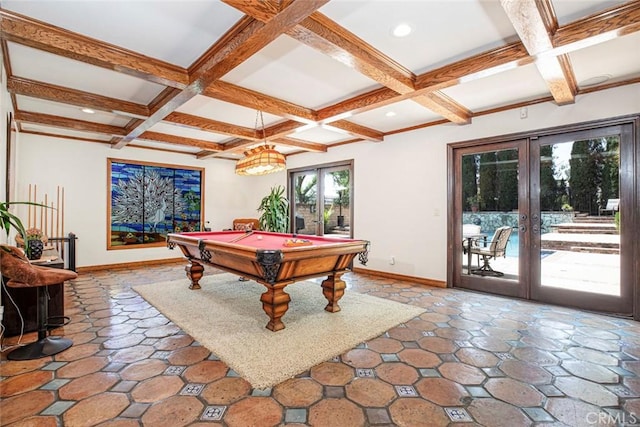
x: 390, y: 113
x: 402, y: 30
x: 593, y: 81
x: 87, y: 110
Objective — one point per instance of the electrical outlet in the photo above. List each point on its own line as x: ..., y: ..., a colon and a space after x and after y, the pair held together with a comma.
x: 524, y: 112
x: 392, y: 260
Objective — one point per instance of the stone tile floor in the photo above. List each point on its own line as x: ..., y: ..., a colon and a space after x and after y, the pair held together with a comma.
x: 471, y: 359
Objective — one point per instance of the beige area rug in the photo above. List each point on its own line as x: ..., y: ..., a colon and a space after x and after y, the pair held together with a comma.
x: 226, y: 317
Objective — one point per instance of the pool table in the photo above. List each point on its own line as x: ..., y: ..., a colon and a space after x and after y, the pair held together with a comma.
x: 273, y: 259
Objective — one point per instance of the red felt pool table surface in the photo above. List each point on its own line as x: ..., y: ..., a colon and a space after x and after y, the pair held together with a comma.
x: 264, y: 257
x: 262, y: 239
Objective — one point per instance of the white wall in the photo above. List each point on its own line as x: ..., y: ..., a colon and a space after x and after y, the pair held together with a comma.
x: 5, y: 108
x: 405, y: 175
x: 81, y: 168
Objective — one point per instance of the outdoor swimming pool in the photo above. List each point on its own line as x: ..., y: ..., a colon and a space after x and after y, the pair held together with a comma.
x: 514, y: 241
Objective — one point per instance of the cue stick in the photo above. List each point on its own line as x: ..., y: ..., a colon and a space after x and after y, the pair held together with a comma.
x: 46, y: 203
x: 29, y: 209
x: 237, y: 239
x: 35, y: 199
x: 51, y: 217
x: 62, y: 212
x: 58, y: 213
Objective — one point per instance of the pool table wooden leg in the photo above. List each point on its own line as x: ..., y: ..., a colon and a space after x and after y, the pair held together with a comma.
x: 275, y: 302
x: 333, y: 288
x: 194, y: 273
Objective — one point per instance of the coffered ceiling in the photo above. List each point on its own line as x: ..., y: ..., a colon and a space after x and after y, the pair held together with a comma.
x: 191, y: 76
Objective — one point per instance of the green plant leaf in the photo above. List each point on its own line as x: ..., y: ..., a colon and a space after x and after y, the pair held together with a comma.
x: 275, y: 211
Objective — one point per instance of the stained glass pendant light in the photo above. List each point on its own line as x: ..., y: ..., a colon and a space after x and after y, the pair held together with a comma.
x: 262, y: 159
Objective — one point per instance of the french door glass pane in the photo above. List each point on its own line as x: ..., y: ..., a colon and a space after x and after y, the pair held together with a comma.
x: 579, y: 201
x: 490, y: 214
x: 305, y: 202
x: 336, y: 216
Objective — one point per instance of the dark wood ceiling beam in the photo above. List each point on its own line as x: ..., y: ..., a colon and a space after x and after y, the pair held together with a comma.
x: 326, y: 36
x: 235, y: 49
x: 475, y: 67
x: 179, y: 140
x: 237, y: 35
x: 206, y: 154
x: 162, y: 98
x: 65, y: 123
x: 595, y: 29
x: 356, y: 130
x: 50, y: 92
x: 237, y: 144
x: 359, y: 104
x: 533, y: 20
x: 262, y: 10
x: 56, y: 135
x: 30, y: 32
x: 283, y: 129
x: 612, y: 23
x: 307, y: 146
x: 253, y: 39
x: 441, y: 104
x: 234, y: 94
x: 200, y: 123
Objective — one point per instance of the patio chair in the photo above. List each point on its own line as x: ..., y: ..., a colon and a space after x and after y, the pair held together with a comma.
x: 496, y: 247
x: 613, y: 206
x: 469, y: 232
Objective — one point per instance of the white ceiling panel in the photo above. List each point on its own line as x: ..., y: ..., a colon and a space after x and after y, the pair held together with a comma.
x: 34, y: 105
x: 222, y: 111
x: 481, y: 25
x: 515, y: 85
x: 603, y: 60
x: 46, y: 67
x: 322, y: 135
x: 172, y: 31
x: 397, y: 116
x: 296, y: 73
x: 572, y: 10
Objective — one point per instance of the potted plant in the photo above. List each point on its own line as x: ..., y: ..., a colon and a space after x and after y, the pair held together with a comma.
x: 326, y: 217
x: 474, y: 202
x: 9, y: 220
x: 275, y: 211
x: 33, y: 243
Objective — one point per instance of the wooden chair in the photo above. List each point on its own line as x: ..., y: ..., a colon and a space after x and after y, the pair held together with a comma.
x: 246, y: 224
x: 496, y: 247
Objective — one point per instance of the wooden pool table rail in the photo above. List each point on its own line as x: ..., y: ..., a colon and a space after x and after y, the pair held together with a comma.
x: 274, y: 268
